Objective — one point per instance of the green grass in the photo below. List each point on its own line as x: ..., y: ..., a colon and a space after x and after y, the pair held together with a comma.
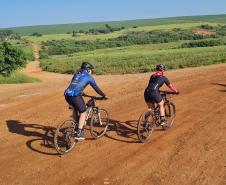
x: 137, y: 59
x: 26, y: 47
x: 17, y: 78
x: 28, y: 51
x: 64, y: 28
x: 38, y: 40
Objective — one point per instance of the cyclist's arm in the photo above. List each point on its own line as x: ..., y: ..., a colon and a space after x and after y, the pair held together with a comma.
x: 170, y: 86
x: 96, y: 88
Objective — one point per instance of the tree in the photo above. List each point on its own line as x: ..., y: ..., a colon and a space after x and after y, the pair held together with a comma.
x: 36, y: 34
x: 108, y: 27
x: 74, y: 33
x: 11, y: 58
x: 8, y: 34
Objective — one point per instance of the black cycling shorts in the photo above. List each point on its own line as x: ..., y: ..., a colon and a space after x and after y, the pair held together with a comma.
x: 152, y: 96
x: 77, y: 102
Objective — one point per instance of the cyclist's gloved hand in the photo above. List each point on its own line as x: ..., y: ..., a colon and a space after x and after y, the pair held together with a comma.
x: 177, y: 93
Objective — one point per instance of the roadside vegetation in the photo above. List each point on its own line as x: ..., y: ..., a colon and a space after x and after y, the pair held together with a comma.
x: 14, y: 55
x: 11, y: 58
x: 16, y: 77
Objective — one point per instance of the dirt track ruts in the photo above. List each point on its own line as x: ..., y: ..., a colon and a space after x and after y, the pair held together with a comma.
x: 192, y: 152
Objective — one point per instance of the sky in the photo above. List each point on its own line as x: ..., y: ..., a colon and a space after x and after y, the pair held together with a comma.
x: 41, y: 12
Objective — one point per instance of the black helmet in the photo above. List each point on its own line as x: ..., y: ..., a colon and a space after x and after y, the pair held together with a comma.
x: 86, y: 66
x: 160, y: 67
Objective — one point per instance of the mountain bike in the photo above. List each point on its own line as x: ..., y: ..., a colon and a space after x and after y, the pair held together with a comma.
x: 150, y: 119
x: 64, y: 138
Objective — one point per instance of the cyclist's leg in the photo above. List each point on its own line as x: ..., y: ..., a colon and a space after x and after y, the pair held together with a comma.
x: 75, y: 114
x: 80, y: 106
x: 162, y: 113
x: 162, y: 109
x: 82, y: 120
x: 70, y: 102
x: 160, y: 103
x: 149, y: 101
x: 150, y: 105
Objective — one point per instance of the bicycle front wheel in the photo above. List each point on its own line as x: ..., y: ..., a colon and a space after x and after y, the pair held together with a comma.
x: 146, y: 126
x: 64, y: 138
x: 99, y: 123
x: 170, y: 113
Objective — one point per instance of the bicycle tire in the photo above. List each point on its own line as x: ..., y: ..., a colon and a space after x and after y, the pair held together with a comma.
x: 170, y: 113
x: 64, y: 140
x: 99, y: 128
x: 146, y: 127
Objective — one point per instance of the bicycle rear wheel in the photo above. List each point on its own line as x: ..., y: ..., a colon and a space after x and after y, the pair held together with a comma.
x: 64, y: 139
x: 146, y: 126
x: 170, y: 113
x: 99, y: 123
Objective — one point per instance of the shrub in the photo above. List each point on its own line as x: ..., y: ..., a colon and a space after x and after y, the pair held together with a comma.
x: 36, y: 34
x: 8, y: 34
x: 11, y: 58
x: 202, y: 43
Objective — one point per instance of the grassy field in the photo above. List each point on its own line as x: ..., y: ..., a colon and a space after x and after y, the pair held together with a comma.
x: 38, y: 40
x: 137, y: 59
x: 64, y: 28
x: 25, y: 47
x: 16, y: 78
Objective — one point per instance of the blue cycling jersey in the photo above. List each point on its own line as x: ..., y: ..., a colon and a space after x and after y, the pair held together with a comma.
x: 78, y: 83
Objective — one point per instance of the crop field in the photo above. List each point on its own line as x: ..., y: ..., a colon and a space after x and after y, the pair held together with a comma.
x: 43, y: 38
x: 64, y: 28
x: 137, y: 59
x: 174, y: 45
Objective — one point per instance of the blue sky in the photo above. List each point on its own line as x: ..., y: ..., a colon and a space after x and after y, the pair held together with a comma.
x: 40, y: 12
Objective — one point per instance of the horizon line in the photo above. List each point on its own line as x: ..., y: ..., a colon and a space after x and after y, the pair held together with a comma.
x: 111, y: 21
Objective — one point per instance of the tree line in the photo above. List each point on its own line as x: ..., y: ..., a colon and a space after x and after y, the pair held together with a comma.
x: 60, y: 47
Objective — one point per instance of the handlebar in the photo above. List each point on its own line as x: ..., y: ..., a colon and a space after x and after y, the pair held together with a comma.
x: 94, y: 97
x: 168, y: 92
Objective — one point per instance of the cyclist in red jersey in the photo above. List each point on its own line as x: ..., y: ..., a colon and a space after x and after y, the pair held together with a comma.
x: 152, y: 94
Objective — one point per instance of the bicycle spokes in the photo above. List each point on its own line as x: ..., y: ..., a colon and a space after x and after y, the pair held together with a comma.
x: 64, y: 139
x: 145, y: 127
x: 99, y: 123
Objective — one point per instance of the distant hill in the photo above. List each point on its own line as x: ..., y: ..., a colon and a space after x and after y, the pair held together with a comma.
x: 64, y: 28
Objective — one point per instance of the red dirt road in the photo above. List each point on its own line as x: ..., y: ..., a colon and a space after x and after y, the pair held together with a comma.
x: 192, y: 152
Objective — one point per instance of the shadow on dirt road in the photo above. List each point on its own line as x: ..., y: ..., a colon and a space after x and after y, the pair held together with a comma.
x: 42, y: 136
x: 126, y: 131
x: 222, y: 85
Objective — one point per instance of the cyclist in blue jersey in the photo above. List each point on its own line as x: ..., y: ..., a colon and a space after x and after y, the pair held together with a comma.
x: 152, y: 94
x: 73, y: 94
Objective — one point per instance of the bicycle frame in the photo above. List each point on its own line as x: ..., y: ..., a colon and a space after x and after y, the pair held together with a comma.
x: 90, y: 106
